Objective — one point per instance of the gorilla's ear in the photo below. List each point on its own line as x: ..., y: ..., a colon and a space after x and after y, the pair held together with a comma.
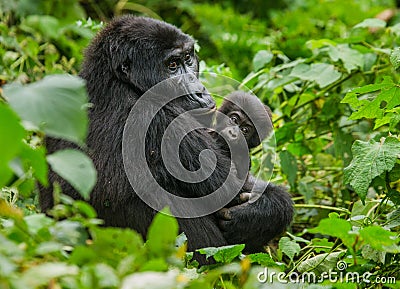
x: 123, y: 71
x: 125, y: 68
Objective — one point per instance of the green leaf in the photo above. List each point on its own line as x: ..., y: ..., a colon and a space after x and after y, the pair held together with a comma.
x: 162, y: 233
x: 48, y: 26
x: 371, y: 23
x: 395, y: 57
x: 322, y: 245
x: 386, y: 100
x: 69, y: 232
x: 351, y: 58
x: 337, y: 228
x: 223, y: 254
x: 323, y: 74
x: 42, y: 274
x: 289, y: 166
x: 56, y: 105
x: 262, y: 58
x: 124, y: 242
x: 370, y: 159
x: 35, y: 157
x: 262, y: 259
x: 380, y: 239
x: 153, y: 280
x: 320, y: 263
x: 11, y: 135
x: 76, y: 168
x: 351, y: 97
x: 289, y: 247
x: 106, y: 276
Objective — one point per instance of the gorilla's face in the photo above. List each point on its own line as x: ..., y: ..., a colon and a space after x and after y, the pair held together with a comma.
x: 149, y: 51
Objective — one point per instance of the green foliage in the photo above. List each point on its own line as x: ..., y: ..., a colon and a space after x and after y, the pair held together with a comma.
x: 54, y: 105
x: 370, y: 159
x: 75, y: 167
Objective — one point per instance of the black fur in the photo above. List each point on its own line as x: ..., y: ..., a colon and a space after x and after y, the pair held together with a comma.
x: 123, y: 61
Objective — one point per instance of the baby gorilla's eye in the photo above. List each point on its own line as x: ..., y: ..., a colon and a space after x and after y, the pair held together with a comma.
x: 245, y: 130
x: 188, y: 57
x: 172, y: 65
x: 234, y: 119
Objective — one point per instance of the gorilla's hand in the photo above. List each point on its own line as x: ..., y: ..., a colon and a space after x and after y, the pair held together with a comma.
x: 256, y: 223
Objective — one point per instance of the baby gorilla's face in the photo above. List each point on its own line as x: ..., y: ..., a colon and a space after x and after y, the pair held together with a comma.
x: 235, y: 124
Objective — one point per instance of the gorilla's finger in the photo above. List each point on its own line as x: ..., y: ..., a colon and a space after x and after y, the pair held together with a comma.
x: 244, y: 197
x: 225, y: 214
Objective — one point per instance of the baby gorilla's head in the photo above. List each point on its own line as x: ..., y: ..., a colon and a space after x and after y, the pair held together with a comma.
x: 245, y: 115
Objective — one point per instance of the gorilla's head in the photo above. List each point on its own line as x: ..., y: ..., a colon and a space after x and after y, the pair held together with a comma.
x: 142, y: 52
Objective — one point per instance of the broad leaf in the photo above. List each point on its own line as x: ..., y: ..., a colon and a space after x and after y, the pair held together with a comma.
x: 11, y: 135
x: 262, y: 58
x: 351, y: 58
x: 76, y: 168
x: 162, y: 234
x: 371, y: 23
x: 56, y: 105
x: 337, y: 228
x: 387, y: 99
x: 289, y: 247
x: 42, y: 274
x: 223, y: 254
x: 370, y: 159
x: 380, y: 239
x: 289, y: 166
x: 320, y: 263
x: 323, y: 74
x: 395, y: 57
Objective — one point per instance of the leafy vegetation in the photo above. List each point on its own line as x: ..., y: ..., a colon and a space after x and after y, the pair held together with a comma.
x: 329, y: 71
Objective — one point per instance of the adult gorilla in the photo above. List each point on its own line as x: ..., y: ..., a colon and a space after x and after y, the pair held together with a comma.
x: 127, y: 58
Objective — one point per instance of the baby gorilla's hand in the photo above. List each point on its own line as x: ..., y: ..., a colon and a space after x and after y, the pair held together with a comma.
x: 232, y: 220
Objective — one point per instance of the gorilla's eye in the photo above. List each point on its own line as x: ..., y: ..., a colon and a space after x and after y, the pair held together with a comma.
x: 173, y: 65
x: 234, y: 119
x: 188, y: 58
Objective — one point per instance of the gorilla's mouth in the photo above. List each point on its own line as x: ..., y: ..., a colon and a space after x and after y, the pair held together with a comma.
x: 206, y: 103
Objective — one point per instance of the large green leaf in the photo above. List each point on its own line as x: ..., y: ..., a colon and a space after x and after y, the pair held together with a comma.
x: 289, y: 247
x: 56, y: 105
x: 75, y: 167
x: 380, y: 239
x: 351, y: 58
x: 224, y: 254
x: 262, y: 58
x: 162, y: 234
x: 323, y: 74
x: 42, y: 274
x: 11, y: 135
x: 370, y: 159
x: 371, y: 23
x: 395, y: 57
x: 337, y: 228
x: 289, y: 166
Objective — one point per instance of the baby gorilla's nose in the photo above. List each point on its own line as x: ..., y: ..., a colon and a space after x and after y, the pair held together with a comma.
x: 233, y: 132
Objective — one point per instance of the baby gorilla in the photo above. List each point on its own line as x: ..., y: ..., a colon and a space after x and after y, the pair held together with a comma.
x: 242, y: 113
